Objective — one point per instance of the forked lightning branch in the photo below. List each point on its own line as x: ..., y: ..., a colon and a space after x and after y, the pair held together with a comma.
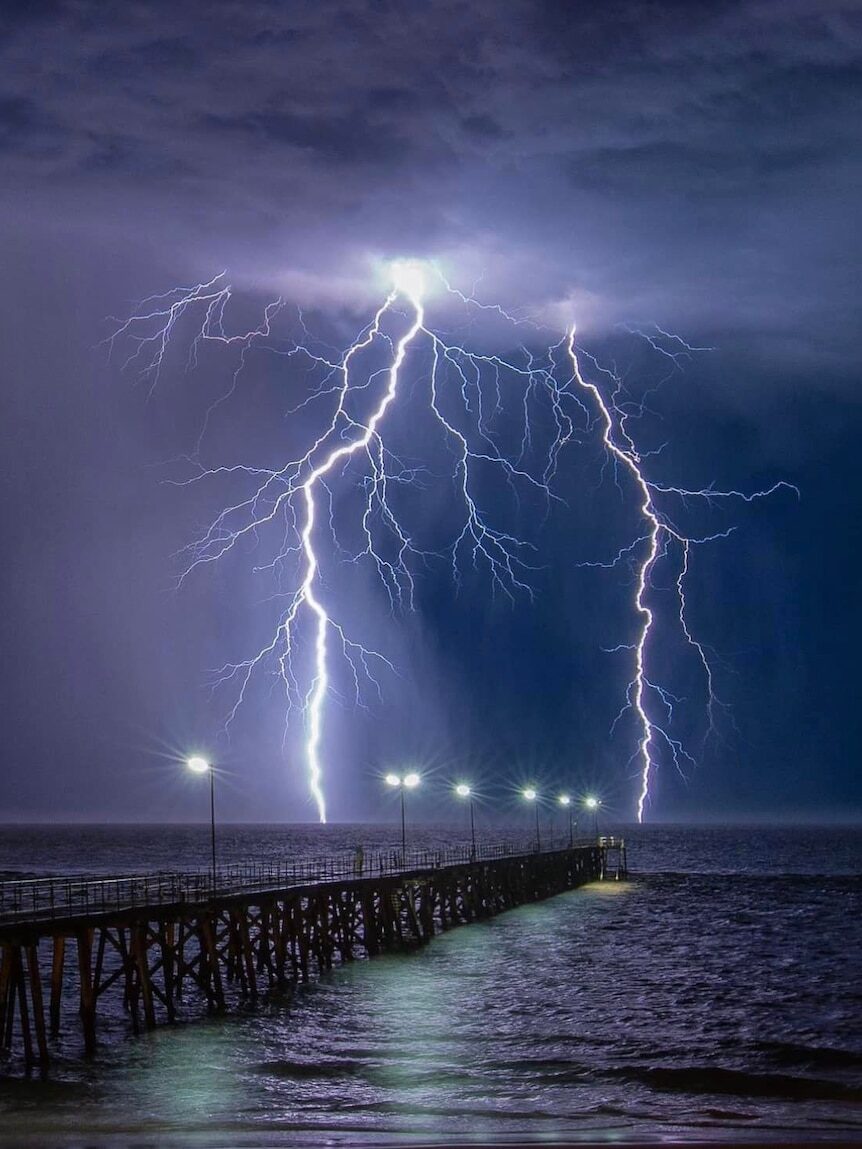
x: 464, y: 390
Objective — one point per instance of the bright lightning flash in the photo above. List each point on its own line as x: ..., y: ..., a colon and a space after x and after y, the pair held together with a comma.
x: 660, y: 535
x: 292, y: 495
x: 466, y: 394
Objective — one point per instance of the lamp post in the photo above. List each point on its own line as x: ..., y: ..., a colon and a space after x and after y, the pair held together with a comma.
x: 407, y: 782
x: 566, y: 802
x: 593, y: 804
x: 530, y: 795
x: 464, y: 791
x: 200, y: 766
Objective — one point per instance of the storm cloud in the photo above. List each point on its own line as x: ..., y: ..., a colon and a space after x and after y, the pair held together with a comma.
x: 693, y: 164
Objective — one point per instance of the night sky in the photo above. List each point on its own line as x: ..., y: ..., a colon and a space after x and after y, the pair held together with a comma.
x: 696, y: 166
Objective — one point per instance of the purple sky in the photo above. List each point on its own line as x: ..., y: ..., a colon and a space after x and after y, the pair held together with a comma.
x: 693, y: 165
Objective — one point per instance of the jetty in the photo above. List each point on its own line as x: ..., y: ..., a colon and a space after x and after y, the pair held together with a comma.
x: 167, y: 944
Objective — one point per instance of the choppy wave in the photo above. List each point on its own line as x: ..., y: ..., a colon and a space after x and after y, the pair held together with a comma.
x: 708, y: 1079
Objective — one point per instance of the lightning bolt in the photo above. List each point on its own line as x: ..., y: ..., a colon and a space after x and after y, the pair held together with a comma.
x: 466, y: 393
x: 305, y: 594
x: 660, y: 535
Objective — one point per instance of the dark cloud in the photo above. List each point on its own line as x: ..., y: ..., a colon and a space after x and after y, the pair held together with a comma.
x: 161, y: 57
x: 349, y: 141
x: 25, y: 129
x: 601, y: 155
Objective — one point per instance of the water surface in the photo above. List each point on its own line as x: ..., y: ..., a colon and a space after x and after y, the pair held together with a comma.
x: 714, y: 995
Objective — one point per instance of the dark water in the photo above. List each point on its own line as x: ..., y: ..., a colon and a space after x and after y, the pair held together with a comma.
x: 716, y: 995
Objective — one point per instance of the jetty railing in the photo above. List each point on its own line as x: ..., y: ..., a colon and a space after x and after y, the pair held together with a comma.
x: 73, y: 896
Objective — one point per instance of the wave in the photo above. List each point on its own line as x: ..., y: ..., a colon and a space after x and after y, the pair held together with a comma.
x: 801, y: 877
x: 733, y: 1082
x: 789, y: 1053
x: 299, y: 1070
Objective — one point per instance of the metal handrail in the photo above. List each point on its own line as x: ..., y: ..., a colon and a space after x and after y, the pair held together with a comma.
x: 36, y: 899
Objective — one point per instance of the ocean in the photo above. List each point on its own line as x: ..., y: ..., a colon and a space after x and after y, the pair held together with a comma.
x: 715, y: 995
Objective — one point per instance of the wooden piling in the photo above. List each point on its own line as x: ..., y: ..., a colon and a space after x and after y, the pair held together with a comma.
x: 57, y: 962
x: 23, y: 1011
x: 87, y: 1007
x: 6, y: 1003
x: 37, y: 1003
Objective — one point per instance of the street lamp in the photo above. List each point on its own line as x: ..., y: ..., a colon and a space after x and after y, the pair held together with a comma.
x: 566, y: 802
x: 199, y: 765
x: 464, y: 791
x: 407, y: 782
x: 530, y: 795
x: 593, y: 804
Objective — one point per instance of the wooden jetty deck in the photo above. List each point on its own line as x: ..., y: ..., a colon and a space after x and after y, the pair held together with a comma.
x: 167, y: 942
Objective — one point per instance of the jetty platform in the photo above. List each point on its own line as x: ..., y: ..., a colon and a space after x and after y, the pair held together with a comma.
x: 170, y: 943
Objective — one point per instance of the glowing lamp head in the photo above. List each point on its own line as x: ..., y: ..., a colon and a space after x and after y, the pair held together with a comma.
x: 530, y: 794
x: 410, y: 276
x: 198, y: 765
x: 564, y: 800
x: 592, y: 803
x: 392, y: 780
x: 462, y: 790
x: 411, y: 781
